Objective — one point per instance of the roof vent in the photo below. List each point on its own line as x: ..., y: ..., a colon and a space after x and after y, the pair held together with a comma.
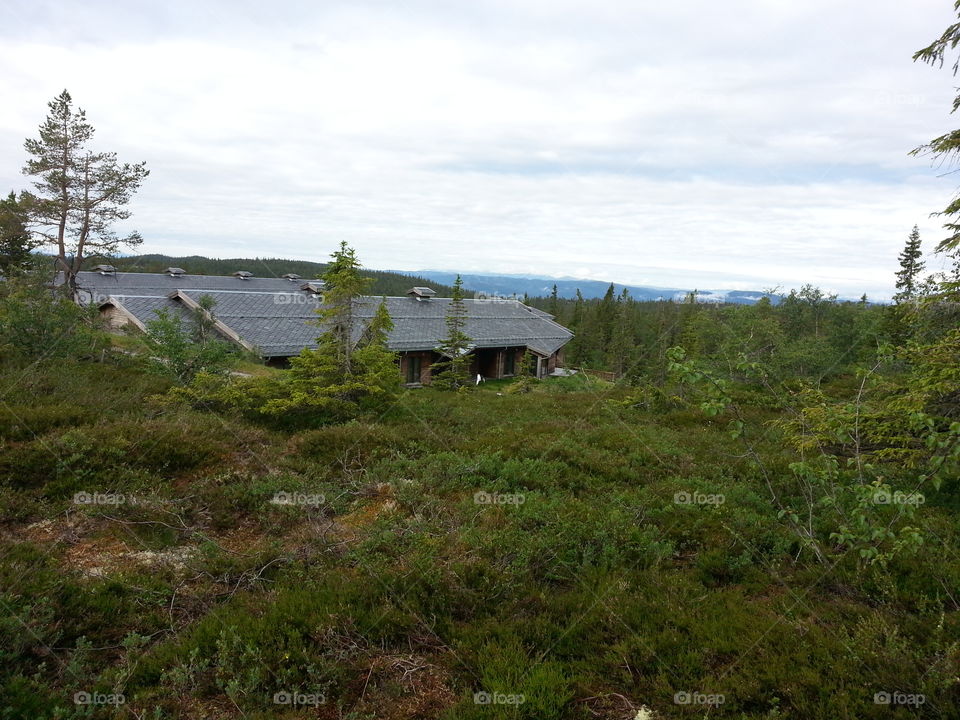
x: 175, y: 272
x: 243, y: 274
x: 292, y: 276
x: 105, y: 269
x: 421, y: 293
x: 316, y: 287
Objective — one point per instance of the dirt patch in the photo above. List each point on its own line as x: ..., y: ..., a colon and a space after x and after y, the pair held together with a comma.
x: 402, y: 687
x: 96, y: 558
x: 53, y: 530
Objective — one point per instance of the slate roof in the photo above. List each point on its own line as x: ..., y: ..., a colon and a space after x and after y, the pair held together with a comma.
x: 280, y: 320
x: 100, y: 287
x: 421, y: 325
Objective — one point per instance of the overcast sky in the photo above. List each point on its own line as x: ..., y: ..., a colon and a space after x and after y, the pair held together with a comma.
x: 743, y: 144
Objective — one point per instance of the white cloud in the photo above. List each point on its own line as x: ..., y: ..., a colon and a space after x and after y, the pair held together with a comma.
x: 736, y: 145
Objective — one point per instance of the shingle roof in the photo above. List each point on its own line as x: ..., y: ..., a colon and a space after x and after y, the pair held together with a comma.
x: 281, y: 322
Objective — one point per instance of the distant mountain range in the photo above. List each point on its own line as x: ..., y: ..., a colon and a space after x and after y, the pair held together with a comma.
x: 497, y: 284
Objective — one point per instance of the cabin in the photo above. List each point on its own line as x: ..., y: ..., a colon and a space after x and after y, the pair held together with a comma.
x: 276, y: 319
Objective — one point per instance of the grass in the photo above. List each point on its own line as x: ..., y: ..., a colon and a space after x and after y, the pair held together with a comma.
x: 460, y: 547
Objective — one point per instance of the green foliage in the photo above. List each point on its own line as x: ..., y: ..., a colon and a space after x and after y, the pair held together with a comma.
x: 184, y: 352
x: 945, y: 146
x: 524, y: 381
x: 36, y: 324
x: 16, y: 243
x: 804, y: 333
x: 107, y: 456
x: 590, y: 546
x: 350, y: 372
x: 712, y: 392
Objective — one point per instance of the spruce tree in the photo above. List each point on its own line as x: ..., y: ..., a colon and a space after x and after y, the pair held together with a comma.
x: 911, y: 265
x: 576, y: 327
x: 343, y: 286
x: 621, y: 340
x: 554, y: 307
x: 454, y: 368
x: 606, y: 314
x: 351, y: 369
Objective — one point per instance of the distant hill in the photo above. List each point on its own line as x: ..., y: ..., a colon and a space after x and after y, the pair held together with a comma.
x: 567, y: 288
x: 385, y: 282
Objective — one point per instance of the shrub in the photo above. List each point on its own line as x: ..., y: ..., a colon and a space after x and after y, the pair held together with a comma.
x: 36, y: 323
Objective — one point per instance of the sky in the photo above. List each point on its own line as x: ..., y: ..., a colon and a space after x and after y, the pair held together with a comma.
x: 748, y: 144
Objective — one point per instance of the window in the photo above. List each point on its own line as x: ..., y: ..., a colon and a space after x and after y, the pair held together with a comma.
x: 413, y: 370
x: 510, y: 362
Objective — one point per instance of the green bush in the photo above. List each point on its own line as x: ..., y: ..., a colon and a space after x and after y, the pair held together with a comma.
x: 113, y: 455
x: 36, y: 323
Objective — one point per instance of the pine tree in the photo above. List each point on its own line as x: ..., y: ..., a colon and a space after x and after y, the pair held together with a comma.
x: 454, y: 369
x: 554, y: 307
x: 79, y: 194
x: 15, y: 241
x: 911, y: 266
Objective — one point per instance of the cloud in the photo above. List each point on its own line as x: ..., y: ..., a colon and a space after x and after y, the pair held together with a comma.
x: 736, y: 145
